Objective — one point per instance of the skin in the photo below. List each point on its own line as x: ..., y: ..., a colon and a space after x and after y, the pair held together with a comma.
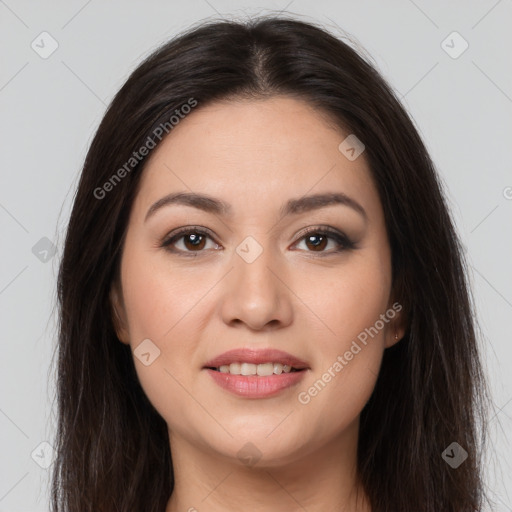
x: 255, y: 155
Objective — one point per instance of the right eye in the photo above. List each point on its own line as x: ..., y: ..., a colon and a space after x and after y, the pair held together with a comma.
x: 194, y: 240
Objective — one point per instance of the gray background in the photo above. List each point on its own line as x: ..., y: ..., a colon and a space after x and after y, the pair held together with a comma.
x: 51, y: 107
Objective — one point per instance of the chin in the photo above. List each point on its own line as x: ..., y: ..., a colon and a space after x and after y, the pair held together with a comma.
x: 257, y: 450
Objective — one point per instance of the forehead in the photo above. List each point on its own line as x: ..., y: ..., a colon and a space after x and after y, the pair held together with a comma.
x: 255, y: 153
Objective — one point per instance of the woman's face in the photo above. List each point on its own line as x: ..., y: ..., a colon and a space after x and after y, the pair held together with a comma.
x: 249, y: 277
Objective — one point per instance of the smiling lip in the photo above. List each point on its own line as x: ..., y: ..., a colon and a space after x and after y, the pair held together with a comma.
x: 254, y: 356
x: 253, y: 386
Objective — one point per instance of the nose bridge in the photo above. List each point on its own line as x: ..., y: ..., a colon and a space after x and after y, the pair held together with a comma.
x: 255, y: 294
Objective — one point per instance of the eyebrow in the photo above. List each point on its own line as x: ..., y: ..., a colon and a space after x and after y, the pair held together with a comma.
x: 291, y: 207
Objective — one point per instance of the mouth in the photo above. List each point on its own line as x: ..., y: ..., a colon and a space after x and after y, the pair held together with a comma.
x: 260, y: 370
x: 255, y: 381
x: 260, y: 362
x: 256, y: 373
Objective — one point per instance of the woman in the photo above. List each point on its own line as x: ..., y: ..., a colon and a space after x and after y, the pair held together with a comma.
x: 264, y: 303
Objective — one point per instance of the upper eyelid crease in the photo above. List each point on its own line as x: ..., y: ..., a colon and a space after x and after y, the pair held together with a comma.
x: 292, y: 207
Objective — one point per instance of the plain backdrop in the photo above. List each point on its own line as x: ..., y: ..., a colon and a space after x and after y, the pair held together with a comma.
x: 51, y: 103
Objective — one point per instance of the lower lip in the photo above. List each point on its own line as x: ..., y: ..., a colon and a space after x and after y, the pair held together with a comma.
x: 252, y: 386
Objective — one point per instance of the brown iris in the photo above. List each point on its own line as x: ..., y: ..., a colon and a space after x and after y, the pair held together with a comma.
x: 316, y: 244
x: 196, y: 241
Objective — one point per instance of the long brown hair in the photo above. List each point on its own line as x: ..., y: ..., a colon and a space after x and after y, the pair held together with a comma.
x: 112, y: 446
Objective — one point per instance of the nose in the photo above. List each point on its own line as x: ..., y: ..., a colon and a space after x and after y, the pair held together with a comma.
x: 256, y: 294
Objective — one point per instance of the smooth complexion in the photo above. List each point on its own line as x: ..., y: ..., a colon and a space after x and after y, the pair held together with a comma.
x: 299, y: 295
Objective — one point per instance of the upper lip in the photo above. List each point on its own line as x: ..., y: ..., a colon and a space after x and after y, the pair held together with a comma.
x: 256, y: 356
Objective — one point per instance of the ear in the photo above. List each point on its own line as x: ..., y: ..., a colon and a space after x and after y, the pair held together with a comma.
x: 118, y: 314
x: 397, y: 324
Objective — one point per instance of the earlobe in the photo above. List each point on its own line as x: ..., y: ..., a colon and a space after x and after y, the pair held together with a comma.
x: 118, y: 315
x: 397, y: 327
x: 393, y: 337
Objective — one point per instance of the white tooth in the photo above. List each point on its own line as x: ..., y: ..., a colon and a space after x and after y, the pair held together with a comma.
x: 278, y: 368
x: 234, y: 368
x: 248, y: 369
x: 265, y: 369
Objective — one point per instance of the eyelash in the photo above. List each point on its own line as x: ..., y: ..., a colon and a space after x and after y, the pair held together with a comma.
x: 345, y: 243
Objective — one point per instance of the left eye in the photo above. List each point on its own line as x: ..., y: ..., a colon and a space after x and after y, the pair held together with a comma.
x: 318, y: 240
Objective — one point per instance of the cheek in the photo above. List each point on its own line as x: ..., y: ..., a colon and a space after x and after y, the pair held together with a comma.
x: 348, y: 300
x: 158, y: 299
x: 171, y: 305
x: 350, y: 354
x: 163, y: 307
